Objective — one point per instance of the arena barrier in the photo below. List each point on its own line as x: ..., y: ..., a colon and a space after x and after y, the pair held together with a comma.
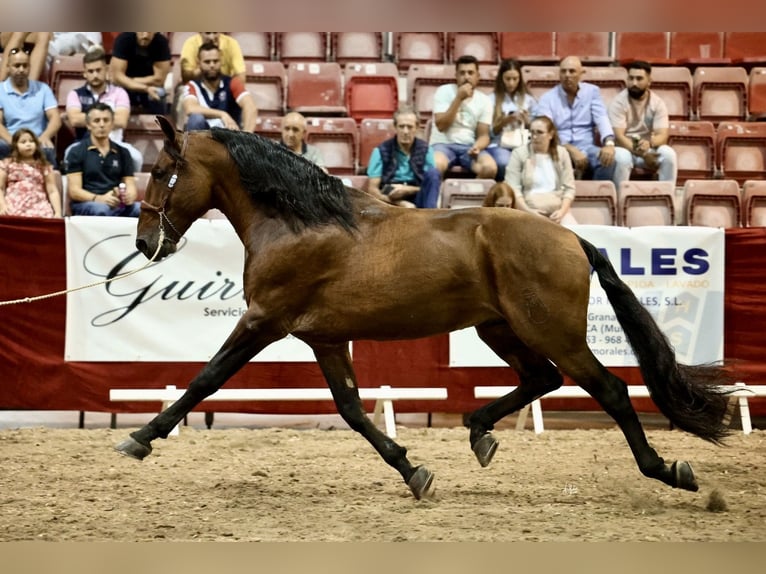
x: 738, y: 398
x: 384, y: 397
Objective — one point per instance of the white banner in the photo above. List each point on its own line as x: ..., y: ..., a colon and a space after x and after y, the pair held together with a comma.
x: 676, y: 272
x: 180, y: 309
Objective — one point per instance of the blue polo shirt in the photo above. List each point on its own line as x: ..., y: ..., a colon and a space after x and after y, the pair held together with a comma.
x: 403, y: 169
x: 26, y: 110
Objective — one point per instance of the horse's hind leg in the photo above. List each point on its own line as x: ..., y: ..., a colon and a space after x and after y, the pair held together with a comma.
x: 242, y: 345
x: 335, y: 363
x: 537, y: 376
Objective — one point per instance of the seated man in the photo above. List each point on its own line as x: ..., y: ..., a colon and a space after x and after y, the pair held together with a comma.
x: 96, y: 168
x: 461, y: 122
x: 140, y: 64
x: 404, y: 166
x: 641, y: 126
x: 293, y: 135
x: 217, y: 100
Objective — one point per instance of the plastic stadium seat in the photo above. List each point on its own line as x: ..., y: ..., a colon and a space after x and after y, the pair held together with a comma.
x: 540, y: 79
x: 176, y: 41
x: 695, y: 146
x: 459, y: 193
x: 741, y: 150
x: 358, y: 181
x: 647, y: 203
x: 712, y: 202
x: 301, y: 46
x: 754, y: 203
x: 590, y: 47
x: 371, y: 89
x: 356, y: 47
x: 422, y: 81
x: 65, y: 75
x: 595, y: 203
x: 534, y: 48
x: 145, y: 135
x: 720, y: 93
x: 267, y: 82
x: 142, y: 182
x: 315, y: 88
x: 652, y: 47
x: 697, y: 48
x: 254, y: 45
x: 336, y: 139
x: 756, y: 93
x: 610, y: 79
x: 269, y: 127
x: 482, y: 45
x: 675, y: 86
x: 419, y: 48
x: 745, y: 48
x: 372, y: 132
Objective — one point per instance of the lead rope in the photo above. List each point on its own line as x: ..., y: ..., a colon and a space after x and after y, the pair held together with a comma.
x: 97, y: 283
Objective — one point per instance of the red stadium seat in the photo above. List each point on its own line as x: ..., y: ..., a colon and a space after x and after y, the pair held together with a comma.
x: 371, y: 89
x: 315, y: 88
x: 756, y: 93
x: 741, y: 148
x: 652, y: 47
x: 423, y: 80
x: 643, y: 203
x: 301, y: 46
x: 254, y: 45
x: 459, y: 193
x: 595, y: 203
x: 65, y: 75
x: 533, y: 48
x: 720, y: 93
x: 419, y: 48
x: 269, y: 127
x: 482, y: 45
x: 695, y: 146
x: 540, y: 79
x: 145, y: 135
x: 358, y: 181
x: 267, y: 82
x: 590, y: 47
x: 697, y: 48
x: 745, y: 48
x: 336, y: 139
x: 712, y: 203
x: 754, y: 203
x: 610, y: 79
x: 675, y: 86
x: 356, y: 47
x: 176, y: 41
x: 372, y: 132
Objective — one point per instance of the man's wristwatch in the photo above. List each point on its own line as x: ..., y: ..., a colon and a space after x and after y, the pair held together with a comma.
x: 609, y: 142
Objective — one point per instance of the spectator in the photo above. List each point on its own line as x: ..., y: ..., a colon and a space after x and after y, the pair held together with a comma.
x: 26, y: 103
x: 27, y: 183
x: 640, y: 121
x: 540, y: 174
x: 140, y: 64
x: 577, y: 110
x: 97, y: 167
x: 33, y: 43
x: 500, y: 195
x: 461, y: 121
x: 293, y: 136
x: 511, y: 104
x: 404, y: 165
x: 216, y: 100
x: 98, y: 89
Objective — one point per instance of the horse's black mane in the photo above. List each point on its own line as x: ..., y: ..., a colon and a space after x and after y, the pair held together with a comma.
x: 299, y: 190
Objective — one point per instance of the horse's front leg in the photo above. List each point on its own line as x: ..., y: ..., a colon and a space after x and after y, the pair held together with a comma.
x: 335, y: 362
x: 247, y: 339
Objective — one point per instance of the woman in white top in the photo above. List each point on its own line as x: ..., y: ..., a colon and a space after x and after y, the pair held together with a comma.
x: 540, y: 174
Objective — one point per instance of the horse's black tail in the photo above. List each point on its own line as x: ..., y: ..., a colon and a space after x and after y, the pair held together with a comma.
x: 689, y: 396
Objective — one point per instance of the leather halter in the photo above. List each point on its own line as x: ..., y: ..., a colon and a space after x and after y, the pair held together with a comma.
x: 160, y: 210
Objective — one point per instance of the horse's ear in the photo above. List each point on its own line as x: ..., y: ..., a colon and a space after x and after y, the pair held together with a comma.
x: 167, y: 128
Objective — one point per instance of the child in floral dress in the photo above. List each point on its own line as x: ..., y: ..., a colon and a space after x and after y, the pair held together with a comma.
x: 27, y: 182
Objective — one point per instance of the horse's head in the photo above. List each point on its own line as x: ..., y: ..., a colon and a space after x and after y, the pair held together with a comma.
x: 176, y: 195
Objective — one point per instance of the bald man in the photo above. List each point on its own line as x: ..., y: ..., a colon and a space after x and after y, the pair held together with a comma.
x: 293, y: 134
x: 577, y: 110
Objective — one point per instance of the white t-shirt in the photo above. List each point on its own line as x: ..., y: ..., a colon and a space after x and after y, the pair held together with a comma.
x: 544, y: 177
x: 473, y: 111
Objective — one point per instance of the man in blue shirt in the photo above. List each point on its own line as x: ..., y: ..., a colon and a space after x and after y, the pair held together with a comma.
x: 579, y: 114
x: 402, y: 169
x: 26, y: 103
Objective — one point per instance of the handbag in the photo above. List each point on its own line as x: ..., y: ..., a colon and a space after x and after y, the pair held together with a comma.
x: 514, y: 137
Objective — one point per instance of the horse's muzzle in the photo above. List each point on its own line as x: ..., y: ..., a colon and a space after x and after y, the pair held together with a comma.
x: 149, y: 246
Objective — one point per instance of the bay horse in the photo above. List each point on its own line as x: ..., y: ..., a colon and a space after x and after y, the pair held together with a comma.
x: 331, y: 264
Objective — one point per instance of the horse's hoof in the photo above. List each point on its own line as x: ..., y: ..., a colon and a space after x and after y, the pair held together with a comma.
x: 684, y: 476
x: 485, y: 448
x: 134, y: 449
x: 420, y: 483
